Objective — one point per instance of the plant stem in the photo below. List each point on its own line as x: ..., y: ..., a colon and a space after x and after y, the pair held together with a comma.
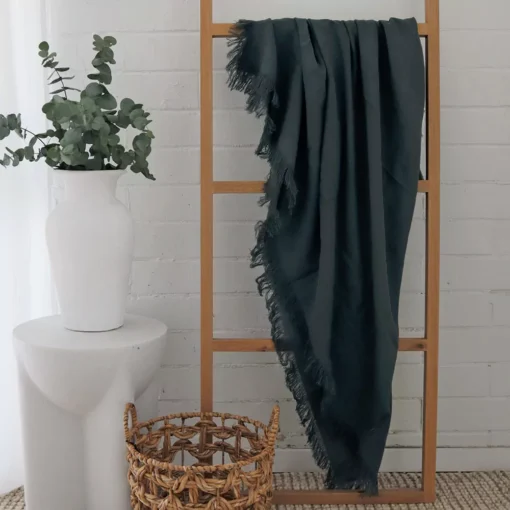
x: 33, y: 134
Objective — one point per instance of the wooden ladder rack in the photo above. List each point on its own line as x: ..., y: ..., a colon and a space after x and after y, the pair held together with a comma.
x: 427, y: 345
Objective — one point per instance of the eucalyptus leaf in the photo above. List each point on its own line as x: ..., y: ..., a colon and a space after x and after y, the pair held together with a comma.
x: 141, y: 163
x: 141, y: 143
x: 29, y: 152
x: 99, y: 43
x: 106, y: 102
x: 63, y: 112
x: 104, y: 68
x: 124, y: 120
x: 68, y: 149
x: 136, y: 113
x: 106, y: 55
x: 88, y: 104
x: 53, y: 153
x: 126, y: 159
x: 105, y: 78
x: 79, y: 158
x: 97, y: 123
x: 114, y: 129
x: 63, y: 78
x: 113, y: 140
x: 12, y: 121
x: 88, y: 137
x: 95, y: 163
x: 94, y: 89
x: 48, y: 109
x: 66, y: 158
x: 105, y: 151
x: 117, y: 152
x: 126, y: 105
x: 50, y: 56
x: 140, y: 122
x: 64, y: 89
x: 80, y: 120
x: 73, y: 136
x: 104, y: 131
x: 20, y: 153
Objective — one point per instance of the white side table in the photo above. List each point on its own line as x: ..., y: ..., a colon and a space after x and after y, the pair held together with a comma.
x: 74, y: 387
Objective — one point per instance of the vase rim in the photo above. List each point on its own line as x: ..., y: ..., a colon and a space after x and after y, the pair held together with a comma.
x: 81, y: 172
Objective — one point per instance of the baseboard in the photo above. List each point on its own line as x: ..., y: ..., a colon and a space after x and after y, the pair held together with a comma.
x: 409, y: 459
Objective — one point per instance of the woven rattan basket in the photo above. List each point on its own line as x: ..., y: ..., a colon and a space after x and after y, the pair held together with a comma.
x: 211, y: 461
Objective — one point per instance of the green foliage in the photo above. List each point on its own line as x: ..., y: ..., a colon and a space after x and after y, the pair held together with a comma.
x: 85, y: 130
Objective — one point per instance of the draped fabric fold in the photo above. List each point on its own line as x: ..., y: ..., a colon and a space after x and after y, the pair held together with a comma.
x: 343, y: 104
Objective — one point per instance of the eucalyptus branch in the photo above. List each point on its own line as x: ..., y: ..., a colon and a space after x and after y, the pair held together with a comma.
x: 49, y: 61
x: 34, y: 135
x: 85, y: 131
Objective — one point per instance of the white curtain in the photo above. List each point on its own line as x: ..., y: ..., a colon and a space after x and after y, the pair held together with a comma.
x: 25, y: 289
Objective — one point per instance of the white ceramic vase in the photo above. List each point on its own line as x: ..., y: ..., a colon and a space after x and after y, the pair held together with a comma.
x: 90, y: 242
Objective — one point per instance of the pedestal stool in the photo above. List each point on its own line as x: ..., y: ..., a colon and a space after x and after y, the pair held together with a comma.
x: 74, y: 387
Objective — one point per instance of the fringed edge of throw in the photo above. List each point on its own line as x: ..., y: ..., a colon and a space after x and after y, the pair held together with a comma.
x: 266, y: 283
x: 261, y: 96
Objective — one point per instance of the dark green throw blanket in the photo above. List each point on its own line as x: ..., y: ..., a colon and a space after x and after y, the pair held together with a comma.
x: 343, y: 104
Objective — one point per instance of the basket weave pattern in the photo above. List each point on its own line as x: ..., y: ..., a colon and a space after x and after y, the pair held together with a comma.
x: 157, y: 451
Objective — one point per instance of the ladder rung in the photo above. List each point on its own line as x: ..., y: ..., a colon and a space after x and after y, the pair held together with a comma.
x: 229, y: 187
x: 266, y: 344
x: 223, y: 29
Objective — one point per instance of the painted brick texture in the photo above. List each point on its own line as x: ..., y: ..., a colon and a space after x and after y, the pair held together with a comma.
x: 158, y: 64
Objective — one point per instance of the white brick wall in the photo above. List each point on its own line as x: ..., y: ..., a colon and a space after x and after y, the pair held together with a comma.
x: 158, y: 63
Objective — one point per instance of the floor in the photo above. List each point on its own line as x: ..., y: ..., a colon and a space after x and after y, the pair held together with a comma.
x: 456, y: 491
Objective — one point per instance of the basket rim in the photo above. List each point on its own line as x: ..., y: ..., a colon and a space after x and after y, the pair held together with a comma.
x: 267, y: 451
x: 199, y: 414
